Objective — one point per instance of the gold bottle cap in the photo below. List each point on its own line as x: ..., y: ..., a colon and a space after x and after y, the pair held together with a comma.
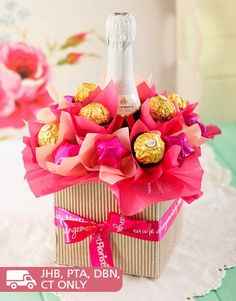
x: 149, y: 148
x: 161, y: 108
x: 48, y: 134
x: 96, y: 112
x: 83, y: 91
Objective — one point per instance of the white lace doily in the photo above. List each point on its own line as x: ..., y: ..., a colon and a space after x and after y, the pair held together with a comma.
x: 207, y: 242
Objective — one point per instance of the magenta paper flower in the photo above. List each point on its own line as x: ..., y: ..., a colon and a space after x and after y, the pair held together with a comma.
x: 90, y: 156
x: 184, y: 118
x: 167, y: 180
x: 43, y: 173
x: 24, y: 74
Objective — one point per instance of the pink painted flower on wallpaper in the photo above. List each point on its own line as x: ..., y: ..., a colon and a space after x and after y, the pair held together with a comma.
x: 9, y: 88
x: 24, y: 74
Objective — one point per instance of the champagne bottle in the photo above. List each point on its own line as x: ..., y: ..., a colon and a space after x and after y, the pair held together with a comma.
x: 120, y: 35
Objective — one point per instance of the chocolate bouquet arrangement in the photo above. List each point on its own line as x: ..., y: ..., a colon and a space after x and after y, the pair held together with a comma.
x: 121, y: 160
x: 144, y: 159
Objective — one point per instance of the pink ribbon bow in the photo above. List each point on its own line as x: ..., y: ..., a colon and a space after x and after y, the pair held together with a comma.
x: 77, y: 228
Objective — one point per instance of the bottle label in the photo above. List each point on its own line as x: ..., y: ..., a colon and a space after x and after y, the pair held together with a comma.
x: 126, y: 107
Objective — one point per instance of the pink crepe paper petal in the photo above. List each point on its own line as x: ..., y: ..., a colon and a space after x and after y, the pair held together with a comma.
x: 42, y: 182
x: 145, y: 92
x: 189, y: 176
x: 52, y: 91
x: 44, y: 153
x: 92, y: 95
x: 113, y: 175
x: 171, y: 157
x: 67, y: 130
x: 194, y: 135
x: 88, y: 157
x: 74, y: 104
x: 108, y: 97
x: 145, y: 176
x: 84, y: 126
x: 165, y: 127
x: 164, y: 93
x: 45, y: 115
x: 69, y: 166
x: 177, y: 182
x: 32, y: 141
x: 189, y: 109
x: 88, y: 149
x: 212, y: 131
x: 146, y: 116
x: 139, y: 127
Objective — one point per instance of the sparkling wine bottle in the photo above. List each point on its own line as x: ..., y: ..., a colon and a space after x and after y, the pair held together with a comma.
x: 120, y: 35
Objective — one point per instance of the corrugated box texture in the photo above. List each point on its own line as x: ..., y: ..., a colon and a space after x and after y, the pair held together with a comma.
x: 133, y: 256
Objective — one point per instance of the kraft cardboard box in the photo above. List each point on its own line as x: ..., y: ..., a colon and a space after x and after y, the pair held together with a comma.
x: 133, y: 256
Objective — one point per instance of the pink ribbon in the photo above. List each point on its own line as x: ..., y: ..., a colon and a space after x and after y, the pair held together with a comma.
x: 77, y: 228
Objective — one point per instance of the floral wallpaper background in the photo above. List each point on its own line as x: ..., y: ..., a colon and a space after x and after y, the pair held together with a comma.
x: 25, y: 70
x: 178, y: 42
x: 63, y: 42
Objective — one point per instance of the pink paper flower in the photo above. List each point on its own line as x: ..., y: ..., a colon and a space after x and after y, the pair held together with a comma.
x: 184, y: 118
x: 107, y: 97
x: 24, y: 74
x: 43, y: 174
x: 145, y: 92
x: 191, y: 118
x: 89, y: 157
x: 69, y: 166
x: 165, y: 181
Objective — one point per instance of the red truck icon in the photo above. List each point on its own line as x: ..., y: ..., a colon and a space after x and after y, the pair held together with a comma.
x: 15, y: 278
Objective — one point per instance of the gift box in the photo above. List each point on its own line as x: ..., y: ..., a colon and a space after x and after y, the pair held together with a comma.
x: 121, y: 160
x: 110, y: 208
x: 132, y: 255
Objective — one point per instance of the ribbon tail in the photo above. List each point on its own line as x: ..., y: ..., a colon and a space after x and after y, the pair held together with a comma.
x: 100, y: 250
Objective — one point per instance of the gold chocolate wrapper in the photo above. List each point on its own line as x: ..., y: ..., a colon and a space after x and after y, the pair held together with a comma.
x: 96, y: 112
x: 173, y: 97
x: 161, y: 108
x: 83, y: 91
x: 48, y: 134
x: 149, y: 148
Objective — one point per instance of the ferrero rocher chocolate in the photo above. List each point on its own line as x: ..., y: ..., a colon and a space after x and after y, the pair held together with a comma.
x: 161, y: 108
x: 48, y: 134
x: 96, y: 112
x: 149, y: 148
x: 83, y: 91
x: 177, y: 99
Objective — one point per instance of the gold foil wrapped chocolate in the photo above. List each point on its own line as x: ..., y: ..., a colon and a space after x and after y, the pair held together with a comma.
x: 173, y: 97
x: 149, y: 148
x: 48, y: 134
x: 83, y: 91
x: 161, y: 108
x: 96, y: 112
